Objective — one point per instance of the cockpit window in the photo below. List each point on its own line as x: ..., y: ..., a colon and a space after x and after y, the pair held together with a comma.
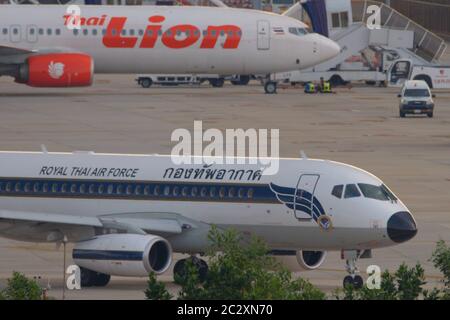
x: 373, y: 192
x: 376, y: 192
x: 351, y: 191
x: 298, y: 31
x: 389, y: 193
x: 337, y: 191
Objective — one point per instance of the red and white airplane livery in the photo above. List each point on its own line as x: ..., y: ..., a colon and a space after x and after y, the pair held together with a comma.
x: 57, y: 46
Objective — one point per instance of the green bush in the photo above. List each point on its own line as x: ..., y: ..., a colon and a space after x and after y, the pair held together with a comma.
x: 156, y: 290
x: 19, y: 287
x: 441, y: 261
x: 241, y: 270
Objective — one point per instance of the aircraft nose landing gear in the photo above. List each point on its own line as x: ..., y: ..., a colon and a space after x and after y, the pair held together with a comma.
x: 353, y: 279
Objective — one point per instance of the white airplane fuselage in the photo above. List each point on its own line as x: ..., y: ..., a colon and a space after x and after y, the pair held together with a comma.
x: 179, y: 39
x: 277, y: 208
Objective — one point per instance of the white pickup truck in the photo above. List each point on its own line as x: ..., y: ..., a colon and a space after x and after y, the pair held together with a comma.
x: 436, y: 76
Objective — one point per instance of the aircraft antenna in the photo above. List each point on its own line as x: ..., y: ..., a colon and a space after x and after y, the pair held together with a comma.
x: 303, y: 155
x: 44, y: 148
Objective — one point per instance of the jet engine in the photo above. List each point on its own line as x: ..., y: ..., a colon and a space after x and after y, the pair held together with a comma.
x: 303, y: 260
x: 131, y: 255
x: 56, y: 70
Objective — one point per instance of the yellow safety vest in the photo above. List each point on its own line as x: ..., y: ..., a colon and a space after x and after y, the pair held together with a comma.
x: 326, y: 87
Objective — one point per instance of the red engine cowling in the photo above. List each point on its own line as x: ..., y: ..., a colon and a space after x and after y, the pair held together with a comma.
x: 58, y: 70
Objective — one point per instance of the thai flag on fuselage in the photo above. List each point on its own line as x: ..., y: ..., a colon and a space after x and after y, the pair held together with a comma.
x: 278, y: 30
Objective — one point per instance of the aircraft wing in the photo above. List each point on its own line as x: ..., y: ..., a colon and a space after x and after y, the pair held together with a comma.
x: 159, y: 223
x: 12, y: 51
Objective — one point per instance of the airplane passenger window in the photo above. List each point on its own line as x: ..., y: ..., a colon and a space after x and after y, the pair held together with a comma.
x: 250, y: 193
x: 119, y: 189
x: 73, y: 188
x: 176, y: 191
x: 337, y: 191
x: 58, y: 32
x: 185, y: 191
x: 212, y: 192
x: 141, y: 32
x: 124, y: 32
x: 44, y: 187
x: 54, y: 187
x: 156, y: 191
x: 5, y: 31
x: 241, y: 192
x: 32, y: 31
x: 15, y: 31
x: 231, y: 192
x: 138, y: 190
x: 91, y: 188
x: 49, y: 32
x: 222, y: 192
x: 129, y: 189
x: 85, y: 32
x: 101, y: 189
x: 103, y: 31
x: 203, y: 192
x: 132, y: 32
x: 147, y: 190
x: 94, y: 32
x: 166, y: 190
x: 27, y: 187
x: 351, y: 191
x: 41, y: 31
x: 36, y: 187
x: 64, y: 188
x: 17, y: 187
x: 1, y: 186
x: 373, y: 192
x: 194, y: 191
x: 75, y: 32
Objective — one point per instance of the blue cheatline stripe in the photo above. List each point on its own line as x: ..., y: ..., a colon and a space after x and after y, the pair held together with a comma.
x: 137, y: 190
x: 107, y: 255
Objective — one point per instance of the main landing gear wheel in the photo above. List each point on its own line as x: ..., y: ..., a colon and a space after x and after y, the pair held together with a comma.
x: 180, y: 268
x: 270, y: 87
x: 91, y: 278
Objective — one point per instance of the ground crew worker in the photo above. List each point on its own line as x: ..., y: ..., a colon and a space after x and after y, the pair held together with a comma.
x: 325, y: 86
x: 310, y: 87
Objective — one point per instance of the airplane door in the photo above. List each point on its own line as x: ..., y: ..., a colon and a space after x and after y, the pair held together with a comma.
x: 305, y: 190
x: 32, y: 33
x: 263, y: 41
x: 15, y: 33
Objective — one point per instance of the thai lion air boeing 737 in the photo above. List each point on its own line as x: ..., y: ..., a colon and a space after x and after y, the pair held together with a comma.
x: 128, y: 213
x: 45, y: 46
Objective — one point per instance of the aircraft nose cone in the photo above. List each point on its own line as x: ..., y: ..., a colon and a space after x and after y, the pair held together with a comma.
x: 401, y: 227
x: 331, y: 49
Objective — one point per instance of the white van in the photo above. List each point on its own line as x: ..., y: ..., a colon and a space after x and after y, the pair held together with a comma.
x: 416, y: 98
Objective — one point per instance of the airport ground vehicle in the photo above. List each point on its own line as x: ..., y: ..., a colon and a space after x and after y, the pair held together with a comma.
x: 416, y: 98
x: 436, y: 76
x: 367, y: 53
x: 217, y: 81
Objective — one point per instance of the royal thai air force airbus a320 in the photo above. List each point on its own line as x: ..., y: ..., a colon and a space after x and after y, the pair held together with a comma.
x: 127, y: 214
x: 51, y: 46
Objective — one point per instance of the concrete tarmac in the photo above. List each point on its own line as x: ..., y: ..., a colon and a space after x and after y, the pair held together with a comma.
x: 358, y: 125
